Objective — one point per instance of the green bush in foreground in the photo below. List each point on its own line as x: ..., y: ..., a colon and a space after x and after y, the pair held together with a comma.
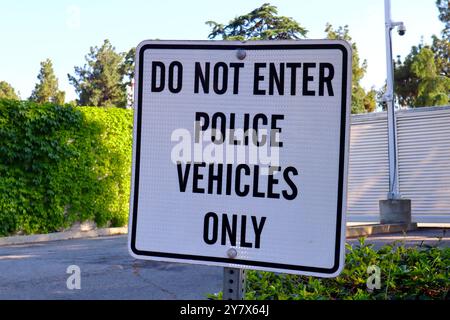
x: 406, y: 273
x: 60, y: 164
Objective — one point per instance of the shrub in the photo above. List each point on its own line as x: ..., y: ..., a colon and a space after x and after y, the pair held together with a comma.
x: 406, y: 273
x: 60, y: 164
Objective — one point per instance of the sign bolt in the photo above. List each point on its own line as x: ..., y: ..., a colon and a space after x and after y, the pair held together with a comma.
x: 232, y: 253
x: 241, y: 54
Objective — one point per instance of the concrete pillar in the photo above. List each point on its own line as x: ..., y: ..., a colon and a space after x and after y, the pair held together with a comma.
x: 395, y: 211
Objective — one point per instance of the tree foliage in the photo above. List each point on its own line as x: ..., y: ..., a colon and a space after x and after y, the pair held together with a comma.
x: 418, y: 80
x: 46, y: 90
x: 263, y: 23
x: 405, y: 82
x: 423, y: 79
x: 433, y: 89
x: 444, y: 16
x: 127, y: 67
x: 7, y: 91
x: 441, y: 46
x: 102, y: 81
x: 362, y: 101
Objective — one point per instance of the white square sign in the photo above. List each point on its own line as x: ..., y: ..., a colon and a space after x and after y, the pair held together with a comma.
x: 240, y: 154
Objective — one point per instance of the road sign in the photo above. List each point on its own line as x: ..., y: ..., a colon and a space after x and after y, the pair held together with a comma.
x: 240, y: 154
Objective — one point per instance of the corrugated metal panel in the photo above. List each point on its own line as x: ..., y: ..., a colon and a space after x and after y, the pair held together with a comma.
x: 368, y: 176
x: 424, y: 163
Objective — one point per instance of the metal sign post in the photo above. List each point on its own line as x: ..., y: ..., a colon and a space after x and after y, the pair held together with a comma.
x: 233, y: 284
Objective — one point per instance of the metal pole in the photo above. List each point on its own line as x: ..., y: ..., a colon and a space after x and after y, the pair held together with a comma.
x: 233, y: 284
x: 389, y: 99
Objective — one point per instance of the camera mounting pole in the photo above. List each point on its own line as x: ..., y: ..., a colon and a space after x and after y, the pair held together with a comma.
x: 395, y: 209
x: 388, y: 98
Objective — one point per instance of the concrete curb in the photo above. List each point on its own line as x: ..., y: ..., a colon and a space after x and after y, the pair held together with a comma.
x: 367, y: 230
x: 352, y: 232
x: 65, y: 235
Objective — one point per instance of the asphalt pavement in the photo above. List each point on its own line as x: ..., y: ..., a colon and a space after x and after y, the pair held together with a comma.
x: 38, y: 271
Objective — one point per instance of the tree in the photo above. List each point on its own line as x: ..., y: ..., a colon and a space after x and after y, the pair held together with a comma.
x: 46, y: 90
x: 405, y: 81
x: 361, y: 101
x: 444, y: 16
x: 127, y: 70
x: 370, y: 100
x: 441, y: 46
x: 102, y: 81
x: 418, y: 81
x: 423, y: 78
x: 441, y: 49
x: 7, y: 91
x: 433, y: 89
x: 127, y: 67
x: 263, y: 23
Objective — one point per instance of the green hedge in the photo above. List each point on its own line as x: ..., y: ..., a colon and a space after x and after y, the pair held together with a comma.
x: 60, y: 164
x: 406, y: 273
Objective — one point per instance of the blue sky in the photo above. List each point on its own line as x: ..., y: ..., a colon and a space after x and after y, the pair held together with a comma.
x: 31, y: 31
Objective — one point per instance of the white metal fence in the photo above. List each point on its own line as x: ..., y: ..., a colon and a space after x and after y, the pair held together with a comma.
x: 424, y: 163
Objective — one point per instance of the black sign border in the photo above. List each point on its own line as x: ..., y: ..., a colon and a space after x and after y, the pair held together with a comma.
x: 246, y: 46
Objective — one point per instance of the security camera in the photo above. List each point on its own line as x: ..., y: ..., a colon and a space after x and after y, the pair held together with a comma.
x: 401, y: 29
